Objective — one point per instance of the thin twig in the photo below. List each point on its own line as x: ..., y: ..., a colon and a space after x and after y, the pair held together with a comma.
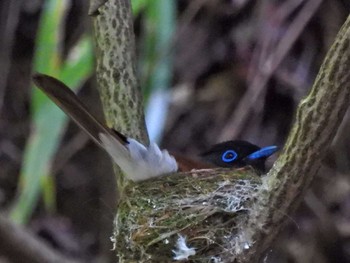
x: 258, y: 86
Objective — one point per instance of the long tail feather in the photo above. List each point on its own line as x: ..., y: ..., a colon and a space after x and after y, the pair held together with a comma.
x: 65, y: 98
x: 137, y: 161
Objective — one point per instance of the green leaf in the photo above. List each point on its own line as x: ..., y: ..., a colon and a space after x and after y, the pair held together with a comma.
x: 138, y: 5
x: 156, y: 62
x: 49, y: 122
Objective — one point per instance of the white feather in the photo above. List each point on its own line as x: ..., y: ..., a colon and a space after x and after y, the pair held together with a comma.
x: 183, y: 252
x: 136, y: 161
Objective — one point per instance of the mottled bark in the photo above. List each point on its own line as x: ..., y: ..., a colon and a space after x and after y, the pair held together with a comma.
x: 115, y: 71
x: 317, y: 119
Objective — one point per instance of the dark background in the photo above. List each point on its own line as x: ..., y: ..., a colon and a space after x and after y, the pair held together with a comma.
x: 240, y: 69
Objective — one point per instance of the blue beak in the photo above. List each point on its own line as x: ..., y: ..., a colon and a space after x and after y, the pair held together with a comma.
x: 263, y: 152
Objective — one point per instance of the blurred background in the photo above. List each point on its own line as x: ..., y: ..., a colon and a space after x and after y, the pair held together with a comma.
x: 210, y: 71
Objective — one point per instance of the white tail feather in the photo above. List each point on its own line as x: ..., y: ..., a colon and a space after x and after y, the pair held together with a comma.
x: 136, y: 161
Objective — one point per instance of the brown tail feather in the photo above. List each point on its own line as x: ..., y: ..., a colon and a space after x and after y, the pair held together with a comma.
x: 65, y: 98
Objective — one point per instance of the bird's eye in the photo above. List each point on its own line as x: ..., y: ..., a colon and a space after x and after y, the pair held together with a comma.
x: 229, y: 156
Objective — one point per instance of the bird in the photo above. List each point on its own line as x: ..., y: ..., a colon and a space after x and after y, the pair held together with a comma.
x: 139, y: 162
x: 237, y: 154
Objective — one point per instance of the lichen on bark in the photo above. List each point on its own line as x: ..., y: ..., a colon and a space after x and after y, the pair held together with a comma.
x: 115, y: 72
x: 317, y: 119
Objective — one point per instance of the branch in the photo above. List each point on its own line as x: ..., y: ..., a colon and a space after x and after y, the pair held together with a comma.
x: 317, y: 120
x: 116, y: 78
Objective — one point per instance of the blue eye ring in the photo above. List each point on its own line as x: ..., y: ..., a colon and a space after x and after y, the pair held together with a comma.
x: 229, y: 156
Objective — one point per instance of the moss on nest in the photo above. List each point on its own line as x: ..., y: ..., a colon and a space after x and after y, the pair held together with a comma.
x: 206, y: 206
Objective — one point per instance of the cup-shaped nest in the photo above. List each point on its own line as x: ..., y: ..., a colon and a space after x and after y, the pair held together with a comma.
x: 193, y: 216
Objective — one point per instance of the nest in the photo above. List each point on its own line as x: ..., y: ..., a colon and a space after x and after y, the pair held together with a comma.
x: 201, y: 211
